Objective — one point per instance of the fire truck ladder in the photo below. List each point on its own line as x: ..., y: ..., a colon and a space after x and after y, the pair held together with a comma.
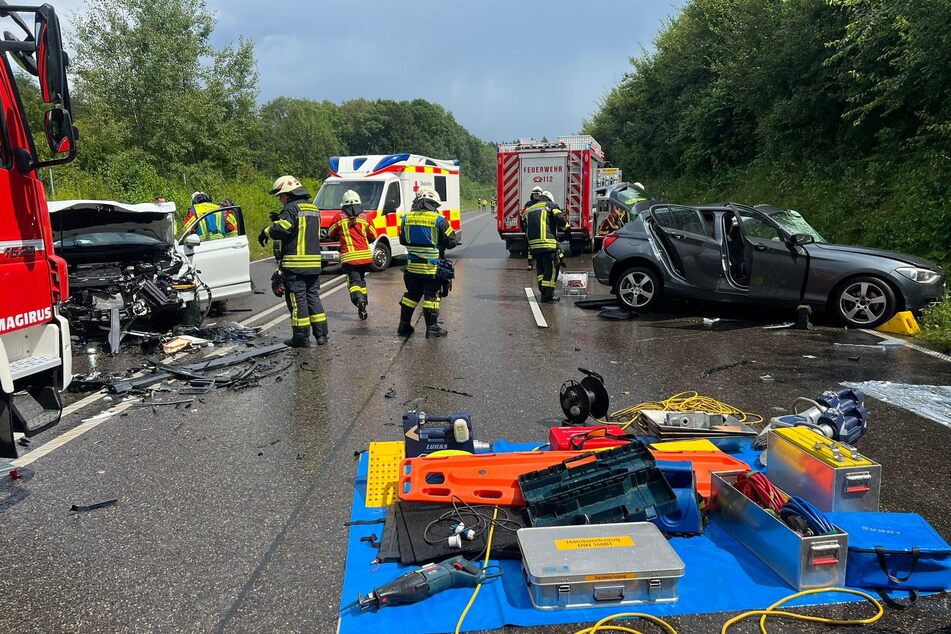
x: 575, y: 165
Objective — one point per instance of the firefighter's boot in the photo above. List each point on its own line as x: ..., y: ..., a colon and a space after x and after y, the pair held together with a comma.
x: 405, y: 328
x: 362, y: 309
x: 433, y: 329
x: 301, y: 338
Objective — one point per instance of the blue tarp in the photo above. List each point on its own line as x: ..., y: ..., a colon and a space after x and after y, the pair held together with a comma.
x: 721, y: 575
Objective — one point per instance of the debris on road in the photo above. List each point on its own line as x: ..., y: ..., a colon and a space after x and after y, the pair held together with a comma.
x: 845, y: 347
x: 181, y: 342
x: 727, y: 366
x: 447, y: 390
x: 80, y: 508
x: 767, y: 378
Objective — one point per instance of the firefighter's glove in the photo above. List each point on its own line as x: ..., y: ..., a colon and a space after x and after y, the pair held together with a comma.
x: 277, y: 284
x: 263, y: 237
x: 274, y: 215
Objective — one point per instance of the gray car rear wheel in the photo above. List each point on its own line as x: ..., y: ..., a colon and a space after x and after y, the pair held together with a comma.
x: 638, y: 288
x: 864, y: 302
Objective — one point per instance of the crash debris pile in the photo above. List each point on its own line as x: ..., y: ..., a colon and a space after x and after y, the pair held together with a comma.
x: 647, y: 507
x: 237, y: 364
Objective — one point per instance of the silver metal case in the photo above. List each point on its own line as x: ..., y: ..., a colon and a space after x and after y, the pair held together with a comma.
x: 830, y: 487
x: 802, y: 562
x: 599, y: 565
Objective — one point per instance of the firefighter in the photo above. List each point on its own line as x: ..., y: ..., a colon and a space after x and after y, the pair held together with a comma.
x: 355, y: 235
x: 543, y: 220
x: 212, y: 226
x: 532, y: 199
x: 613, y: 222
x: 297, y: 227
x: 427, y: 235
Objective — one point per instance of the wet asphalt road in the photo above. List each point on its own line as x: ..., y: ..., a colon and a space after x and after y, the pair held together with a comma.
x: 231, y: 518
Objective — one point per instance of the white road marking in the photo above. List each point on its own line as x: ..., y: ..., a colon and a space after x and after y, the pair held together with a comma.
x: 282, y: 305
x: 481, y: 215
x: 913, y: 346
x: 536, y: 309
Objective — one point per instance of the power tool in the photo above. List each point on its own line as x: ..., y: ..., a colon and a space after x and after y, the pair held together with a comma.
x: 425, y: 434
x: 418, y: 585
x: 840, y: 415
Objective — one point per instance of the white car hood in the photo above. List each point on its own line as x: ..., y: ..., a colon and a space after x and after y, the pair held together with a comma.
x: 76, y: 217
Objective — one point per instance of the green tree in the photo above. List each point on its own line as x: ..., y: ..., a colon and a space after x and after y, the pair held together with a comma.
x: 153, y: 82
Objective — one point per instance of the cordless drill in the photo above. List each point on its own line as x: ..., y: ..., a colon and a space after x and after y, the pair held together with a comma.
x: 417, y: 585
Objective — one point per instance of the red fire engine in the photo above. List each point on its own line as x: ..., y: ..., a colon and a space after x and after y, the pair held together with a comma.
x: 34, y: 338
x: 567, y: 168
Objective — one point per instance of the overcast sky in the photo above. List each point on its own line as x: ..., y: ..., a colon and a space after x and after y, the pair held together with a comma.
x: 504, y: 68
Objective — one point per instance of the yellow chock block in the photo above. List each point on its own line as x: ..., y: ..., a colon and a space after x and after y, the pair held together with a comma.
x: 903, y: 323
x: 383, y: 472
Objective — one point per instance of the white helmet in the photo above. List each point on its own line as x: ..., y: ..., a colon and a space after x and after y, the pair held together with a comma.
x: 350, y: 197
x: 200, y: 197
x: 547, y: 194
x: 430, y: 194
x: 285, y: 185
x: 638, y: 186
x: 536, y: 190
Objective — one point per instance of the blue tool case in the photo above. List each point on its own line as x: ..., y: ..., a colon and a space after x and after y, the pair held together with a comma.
x: 894, y: 551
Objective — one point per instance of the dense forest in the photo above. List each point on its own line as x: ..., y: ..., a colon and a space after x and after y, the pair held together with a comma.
x: 162, y: 112
x: 838, y: 108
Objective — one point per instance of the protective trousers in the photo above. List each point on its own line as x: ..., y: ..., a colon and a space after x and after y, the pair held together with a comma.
x: 303, y: 300
x: 357, y: 282
x: 546, y: 264
x: 420, y: 287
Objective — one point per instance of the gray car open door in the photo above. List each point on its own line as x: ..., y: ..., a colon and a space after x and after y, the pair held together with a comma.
x: 777, y: 267
x: 687, y: 240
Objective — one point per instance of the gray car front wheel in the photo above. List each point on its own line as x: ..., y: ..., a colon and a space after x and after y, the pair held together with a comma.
x: 865, y: 302
x: 638, y: 288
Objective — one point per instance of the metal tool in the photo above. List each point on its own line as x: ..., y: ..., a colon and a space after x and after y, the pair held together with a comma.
x: 425, y: 434
x: 418, y: 585
x: 840, y: 416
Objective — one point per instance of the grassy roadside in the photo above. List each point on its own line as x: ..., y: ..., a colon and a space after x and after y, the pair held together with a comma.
x: 936, y: 325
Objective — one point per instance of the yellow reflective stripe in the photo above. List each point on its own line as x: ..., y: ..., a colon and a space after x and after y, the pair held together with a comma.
x: 301, y: 234
x: 421, y: 268
x: 317, y: 319
x: 283, y: 224
x: 430, y: 304
x: 406, y: 301
x: 363, y: 254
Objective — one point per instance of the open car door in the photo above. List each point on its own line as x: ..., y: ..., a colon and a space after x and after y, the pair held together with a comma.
x: 687, y: 241
x: 777, y: 267
x: 222, y: 263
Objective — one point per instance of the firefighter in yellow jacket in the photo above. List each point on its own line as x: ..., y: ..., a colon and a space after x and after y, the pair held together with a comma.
x: 356, y: 237
x: 426, y: 234
x: 297, y: 229
x: 543, y: 220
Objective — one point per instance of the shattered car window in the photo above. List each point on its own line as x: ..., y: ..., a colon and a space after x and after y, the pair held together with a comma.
x: 793, y: 222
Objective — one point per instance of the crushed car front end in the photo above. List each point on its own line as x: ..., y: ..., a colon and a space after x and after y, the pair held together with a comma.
x: 123, y: 266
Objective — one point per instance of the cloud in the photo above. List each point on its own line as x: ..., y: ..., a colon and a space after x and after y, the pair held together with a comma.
x: 506, y: 69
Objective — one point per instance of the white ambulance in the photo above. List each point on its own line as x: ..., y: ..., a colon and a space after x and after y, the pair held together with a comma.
x: 387, y: 185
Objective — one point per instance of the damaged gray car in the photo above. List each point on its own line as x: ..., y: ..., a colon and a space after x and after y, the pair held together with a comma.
x: 126, y: 266
x: 759, y: 255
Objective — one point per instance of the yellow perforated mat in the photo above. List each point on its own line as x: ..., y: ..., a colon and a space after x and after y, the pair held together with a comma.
x: 384, y: 472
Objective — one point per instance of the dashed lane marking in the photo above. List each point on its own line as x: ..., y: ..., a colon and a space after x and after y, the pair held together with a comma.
x: 536, y: 309
x: 913, y: 346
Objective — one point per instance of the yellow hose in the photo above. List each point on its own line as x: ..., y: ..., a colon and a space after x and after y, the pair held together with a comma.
x: 689, y: 401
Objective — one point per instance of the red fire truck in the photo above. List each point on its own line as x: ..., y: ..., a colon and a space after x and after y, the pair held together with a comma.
x: 35, y: 359
x: 567, y: 168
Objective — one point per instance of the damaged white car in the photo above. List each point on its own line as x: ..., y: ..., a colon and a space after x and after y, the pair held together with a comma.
x: 126, y: 265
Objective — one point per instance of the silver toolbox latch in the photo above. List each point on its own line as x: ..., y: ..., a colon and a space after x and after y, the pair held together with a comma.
x: 824, y: 554
x: 609, y: 593
x: 858, y: 482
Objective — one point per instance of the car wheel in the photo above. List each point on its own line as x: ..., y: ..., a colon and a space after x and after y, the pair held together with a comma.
x: 864, y: 302
x: 638, y: 288
x: 381, y: 256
